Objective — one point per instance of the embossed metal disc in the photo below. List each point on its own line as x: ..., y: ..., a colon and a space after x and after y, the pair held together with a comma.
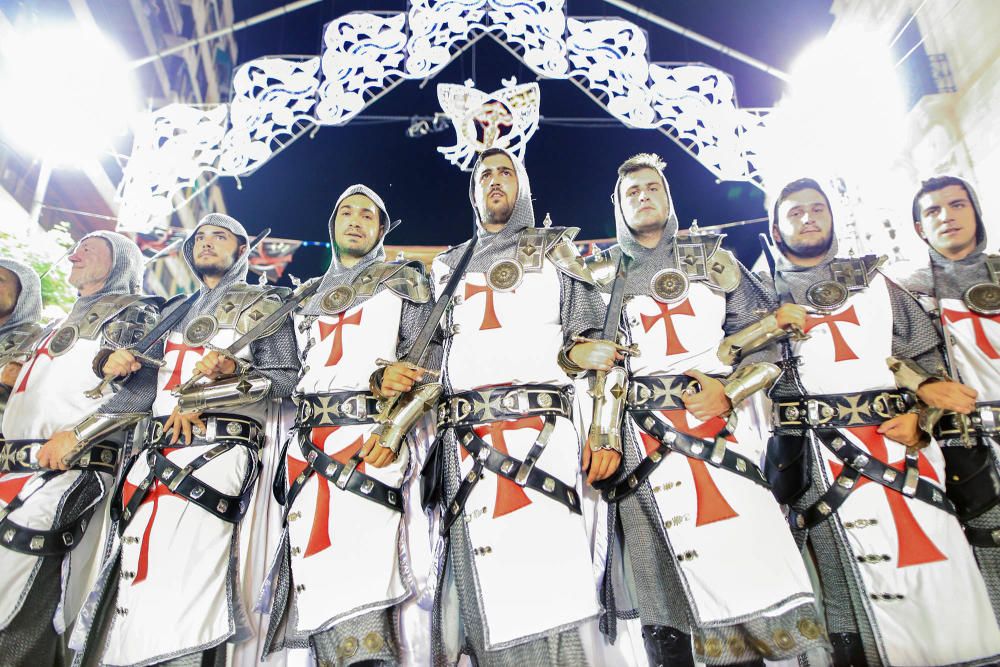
x: 337, y: 299
x: 828, y: 294
x: 201, y: 330
x: 504, y: 275
x: 63, y: 340
x: 669, y: 285
x: 983, y: 298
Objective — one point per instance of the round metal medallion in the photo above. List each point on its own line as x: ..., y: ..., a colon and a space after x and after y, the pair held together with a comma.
x: 827, y: 295
x: 63, y: 340
x: 983, y: 298
x: 504, y: 275
x: 669, y: 285
x: 337, y: 299
x: 200, y: 330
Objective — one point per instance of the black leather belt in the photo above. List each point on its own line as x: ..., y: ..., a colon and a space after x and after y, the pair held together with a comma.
x: 469, y: 408
x: 15, y: 456
x: 715, y: 453
x: 523, y: 473
x: 219, y: 427
x: 866, y: 408
x: 984, y: 420
x: 859, y: 464
x: 982, y: 537
x: 55, y: 542
x: 663, y: 392
x: 338, y: 408
x: 345, y: 476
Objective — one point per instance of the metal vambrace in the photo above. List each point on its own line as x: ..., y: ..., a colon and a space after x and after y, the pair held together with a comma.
x: 401, y: 418
x: 751, y: 338
x: 609, y: 393
x: 745, y: 381
x: 229, y: 392
x: 97, y: 427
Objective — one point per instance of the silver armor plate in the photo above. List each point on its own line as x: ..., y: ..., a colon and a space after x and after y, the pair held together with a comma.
x: 504, y: 275
x: 338, y: 299
x: 983, y: 298
x: 827, y: 295
x: 669, y: 285
x: 201, y: 330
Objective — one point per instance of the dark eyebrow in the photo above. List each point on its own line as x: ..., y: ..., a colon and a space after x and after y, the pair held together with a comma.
x: 960, y: 200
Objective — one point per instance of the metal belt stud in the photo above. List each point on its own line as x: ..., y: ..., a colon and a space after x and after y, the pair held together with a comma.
x: 995, y: 536
x: 845, y: 482
x: 197, y: 492
x: 910, y: 482
x: 549, y: 485
x: 860, y: 461
x: 889, y: 475
x: 367, y: 486
x: 37, y: 542
x: 718, y: 451
x: 331, y: 470
x: 172, y: 485
x: 222, y: 506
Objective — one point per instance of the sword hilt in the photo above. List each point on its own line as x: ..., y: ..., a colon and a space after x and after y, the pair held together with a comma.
x: 98, y: 391
x: 632, y: 349
x: 383, y: 363
x: 186, y: 386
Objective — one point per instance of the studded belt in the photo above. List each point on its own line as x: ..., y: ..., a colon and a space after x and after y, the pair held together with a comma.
x: 468, y: 408
x: 55, y: 542
x: 523, y: 473
x: 219, y: 427
x: 338, y: 408
x: 860, y: 464
x: 663, y: 392
x: 866, y: 408
x: 984, y: 420
x: 345, y: 476
x: 16, y: 456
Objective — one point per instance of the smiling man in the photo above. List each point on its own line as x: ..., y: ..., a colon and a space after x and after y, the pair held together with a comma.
x: 345, y: 493
x: 182, y: 499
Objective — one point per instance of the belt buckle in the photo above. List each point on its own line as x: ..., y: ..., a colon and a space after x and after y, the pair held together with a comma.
x: 305, y: 410
x: 988, y: 419
x: 880, y: 404
x: 176, y: 481
x: 460, y: 409
x: 790, y: 410
x: 516, y: 400
x: 355, y: 407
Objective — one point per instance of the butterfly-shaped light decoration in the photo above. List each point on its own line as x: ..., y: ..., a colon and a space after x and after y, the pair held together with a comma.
x: 505, y: 118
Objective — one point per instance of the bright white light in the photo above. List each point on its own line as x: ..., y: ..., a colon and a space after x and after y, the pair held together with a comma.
x: 65, y: 92
x: 842, y: 114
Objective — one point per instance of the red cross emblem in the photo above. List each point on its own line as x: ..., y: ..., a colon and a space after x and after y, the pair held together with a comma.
x: 9, y: 488
x: 915, y: 548
x: 43, y: 350
x: 842, y: 351
x: 156, y: 491
x: 181, y: 349
x: 337, y: 329
x: 510, y: 496
x: 712, y: 505
x: 982, y: 342
x: 490, y: 320
x: 319, y: 535
x: 666, y: 316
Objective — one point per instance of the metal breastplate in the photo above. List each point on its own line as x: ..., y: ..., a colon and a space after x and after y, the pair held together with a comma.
x: 699, y: 258
x: 241, y: 309
x: 849, y: 275
x: 984, y: 298
x: 403, y: 278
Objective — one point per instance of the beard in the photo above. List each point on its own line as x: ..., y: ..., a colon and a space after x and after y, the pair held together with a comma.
x: 216, y: 269
x: 809, y: 250
x: 357, y: 253
x: 7, y: 306
x: 499, y: 214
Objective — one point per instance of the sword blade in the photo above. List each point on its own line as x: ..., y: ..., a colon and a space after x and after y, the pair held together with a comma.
x: 614, y: 314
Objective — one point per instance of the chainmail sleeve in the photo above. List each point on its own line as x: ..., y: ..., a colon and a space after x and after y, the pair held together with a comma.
x: 914, y: 335
x: 581, y: 308
x: 139, y: 391
x: 276, y: 357
x: 745, y: 305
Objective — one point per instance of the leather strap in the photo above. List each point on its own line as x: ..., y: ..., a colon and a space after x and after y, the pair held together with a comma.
x: 55, y: 542
x: 345, y: 476
x: 662, y: 392
x: 16, y: 456
x: 523, y: 473
x: 469, y: 408
x: 219, y: 427
x: 866, y: 408
x: 715, y: 454
x: 984, y: 421
x: 339, y: 408
x: 983, y: 537
x: 857, y: 464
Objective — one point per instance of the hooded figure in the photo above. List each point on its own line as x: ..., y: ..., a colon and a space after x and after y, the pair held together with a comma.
x: 943, y: 286
x: 181, y: 556
x: 28, y: 308
x: 766, y: 591
x: 859, y: 319
x: 362, y: 311
x: 126, y: 265
x: 21, y: 328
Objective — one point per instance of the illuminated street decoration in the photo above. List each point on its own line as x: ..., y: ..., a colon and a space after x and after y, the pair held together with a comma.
x: 276, y: 100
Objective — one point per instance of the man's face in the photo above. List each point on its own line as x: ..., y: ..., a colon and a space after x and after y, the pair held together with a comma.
x: 356, y: 226
x: 10, y: 290
x: 91, y: 262
x: 948, y: 221
x: 644, y: 200
x: 805, y: 223
x: 215, y: 251
x: 497, y: 189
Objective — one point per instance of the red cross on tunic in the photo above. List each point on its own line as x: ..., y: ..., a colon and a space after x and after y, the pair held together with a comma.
x: 156, y: 491
x: 915, y: 548
x: 337, y: 329
x: 510, y: 496
x: 982, y: 342
x: 666, y: 316
x: 319, y: 535
x: 490, y: 320
x: 43, y: 350
x: 712, y: 505
x: 842, y: 351
x: 181, y: 349
x: 9, y: 488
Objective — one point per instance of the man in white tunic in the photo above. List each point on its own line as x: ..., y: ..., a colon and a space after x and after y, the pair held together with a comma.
x: 346, y: 486
x: 170, y: 591
x: 866, y: 489
x: 46, y: 547
x: 516, y: 578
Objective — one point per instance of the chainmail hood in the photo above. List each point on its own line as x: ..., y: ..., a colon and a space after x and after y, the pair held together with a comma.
x: 791, y: 279
x: 126, y: 264
x: 28, y: 308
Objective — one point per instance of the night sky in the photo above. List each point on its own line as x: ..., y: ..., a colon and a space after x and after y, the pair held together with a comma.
x: 572, y: 169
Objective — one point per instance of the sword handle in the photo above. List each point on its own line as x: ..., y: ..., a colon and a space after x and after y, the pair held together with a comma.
x: 98, y: 391
x: 632, y: 349
x: 383, y: 363
x: 187, y: 385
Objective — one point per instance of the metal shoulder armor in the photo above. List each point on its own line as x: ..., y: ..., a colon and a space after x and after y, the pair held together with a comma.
x: 701, y: 255
x: 102, y: 311
x: 268, y: 301
x: 17, y: 343
x: 409, y: 281
x: 563, y: 253
x: 132, y: 323
x: 602, y: 267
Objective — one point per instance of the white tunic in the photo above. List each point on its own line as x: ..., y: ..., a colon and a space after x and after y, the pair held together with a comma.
x: 974, y: 346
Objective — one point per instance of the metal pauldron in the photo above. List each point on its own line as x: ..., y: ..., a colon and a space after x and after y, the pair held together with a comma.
x: 410, y: 407
x: 226, y: 393
x: 751, y: 338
